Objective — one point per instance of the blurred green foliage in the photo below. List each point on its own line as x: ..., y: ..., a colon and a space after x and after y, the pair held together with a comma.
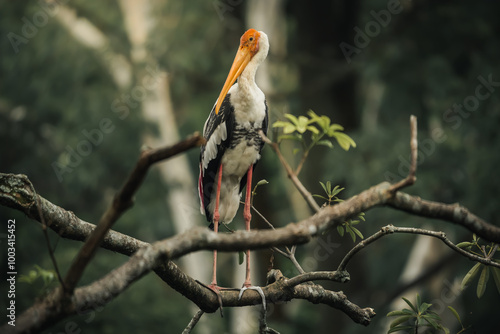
x: 427, y: 61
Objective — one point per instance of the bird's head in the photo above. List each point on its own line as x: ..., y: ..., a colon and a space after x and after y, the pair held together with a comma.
x: 254, y: 46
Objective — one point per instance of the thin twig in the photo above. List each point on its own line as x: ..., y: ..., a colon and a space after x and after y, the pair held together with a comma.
x: 411, y: 178
x: 300, y: 187
x: 122, y: 201
x: 46, y: 235
x: 389, y: 229
x: 290, y: 254
x: 193, y: 322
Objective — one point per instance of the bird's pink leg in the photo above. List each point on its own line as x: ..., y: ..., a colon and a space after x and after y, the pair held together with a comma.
x: 248, y: 216
x: 216, y: 218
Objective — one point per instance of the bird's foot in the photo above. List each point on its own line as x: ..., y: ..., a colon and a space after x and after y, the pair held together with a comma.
x: 215, y: 288
x: 256, y: 288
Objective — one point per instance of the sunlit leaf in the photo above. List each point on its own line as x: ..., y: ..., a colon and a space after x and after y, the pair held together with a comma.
x: 344, y: 140
x: 333, y: 129
x: 483, y: 280
x: 302, y: 124
x: 465, y: 244
x: 287, y: 127
x: 313, y: 129
x: 470, y: 275
x: 293, y: 119
x: 340, y: 229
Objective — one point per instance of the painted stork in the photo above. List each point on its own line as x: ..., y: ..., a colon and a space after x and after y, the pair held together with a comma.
x: 233, y: 143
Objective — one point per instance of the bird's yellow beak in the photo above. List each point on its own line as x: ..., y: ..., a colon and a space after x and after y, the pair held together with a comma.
x: 249, y: 46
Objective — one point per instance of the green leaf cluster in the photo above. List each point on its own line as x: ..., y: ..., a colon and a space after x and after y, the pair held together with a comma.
x: 318, y: 127
x: 47, y: 276
x: 486, y: 251
x: 418, y: 316
x: 331, y: 198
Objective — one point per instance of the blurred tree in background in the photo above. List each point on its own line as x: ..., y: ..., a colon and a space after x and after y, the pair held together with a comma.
x: 80, y: 83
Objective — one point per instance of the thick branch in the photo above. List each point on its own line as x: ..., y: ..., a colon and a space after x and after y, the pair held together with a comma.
x: 454, y: 213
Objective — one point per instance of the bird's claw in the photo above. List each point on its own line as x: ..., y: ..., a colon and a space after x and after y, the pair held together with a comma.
x: 256, y: 288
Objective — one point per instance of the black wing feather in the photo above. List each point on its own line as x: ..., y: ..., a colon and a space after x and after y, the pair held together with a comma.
x: 208, y: 182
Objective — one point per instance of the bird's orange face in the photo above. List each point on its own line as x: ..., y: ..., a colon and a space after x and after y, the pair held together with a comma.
x: 249, y: 46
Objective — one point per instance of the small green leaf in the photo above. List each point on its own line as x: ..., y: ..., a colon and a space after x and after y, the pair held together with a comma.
x: 333, y: 129
x: 411, y: 305
x: 344, y: 140
x: 336, y: 190
x: 325, y: 142
x: 496, y: 277
x: 324, y: 186
x: 340, y: 229
x: 470, y: 275
x: 358, y: 232
x: 328, y: 187
x: 322, y: 197
x: 287, y: 127
x: 465, y: 244
x: 455, y: 313
x: 400, y: 328
x: 403, y: 312
x: 302, y: 124
x: 432, y: 322
x: 295, y: 151
x: 293, y: 119
x: 313, y: 129
x: 349, y: 230
x: 400, y: 320
x: 483, y: 280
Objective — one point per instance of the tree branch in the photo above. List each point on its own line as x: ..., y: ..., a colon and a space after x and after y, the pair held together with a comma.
x: 122, y: 201
x: 389, y: 229
x: 411, y: 178
x: 289, y: 171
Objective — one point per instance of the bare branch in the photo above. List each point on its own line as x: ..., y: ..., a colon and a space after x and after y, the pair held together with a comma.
x: 389, y: 229
x: 193, y: 322
x: 122, y: 201
x: 411, y: 178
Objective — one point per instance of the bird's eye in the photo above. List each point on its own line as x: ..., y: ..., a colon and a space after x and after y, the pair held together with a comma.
x: 251, y: 39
